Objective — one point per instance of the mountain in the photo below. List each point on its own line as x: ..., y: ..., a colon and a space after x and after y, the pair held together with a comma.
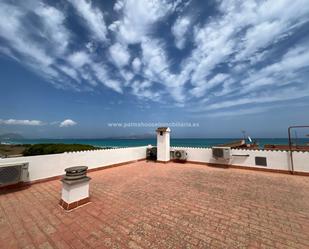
x: 10, y: 136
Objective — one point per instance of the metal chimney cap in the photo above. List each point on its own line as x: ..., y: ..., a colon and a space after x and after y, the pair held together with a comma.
x: 76, y: 169
x: 75, y: 173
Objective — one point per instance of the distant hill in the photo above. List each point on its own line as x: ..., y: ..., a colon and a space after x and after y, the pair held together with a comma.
x: 10, y: 136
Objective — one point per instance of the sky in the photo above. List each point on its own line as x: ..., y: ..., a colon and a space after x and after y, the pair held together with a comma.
x: 75, y: 68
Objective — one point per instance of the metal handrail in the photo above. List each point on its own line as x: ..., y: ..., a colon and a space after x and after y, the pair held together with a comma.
x: 290, y: 143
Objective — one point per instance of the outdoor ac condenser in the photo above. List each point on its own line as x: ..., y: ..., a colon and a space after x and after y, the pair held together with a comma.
x: 180, y: 155
x: 13, y: 173
x: 151, y: 154
x: 221, y: 152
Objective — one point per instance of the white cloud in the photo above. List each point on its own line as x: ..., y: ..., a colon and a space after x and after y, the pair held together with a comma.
x: 142, y: 90
x: 136, y: 64
x: 8, y: 52
x: 91, y: 46
x: 290, y: 93
x: 103, y: 76
x: 260, y: 36
x: 91, y: 71
x: 53, y: 59
x: 179, y: 30
x: 280, y: 82
x: 35, y: 43
x: 127, y: 75
x: 118, y: 5
x: 213, y: 47
x: 70, y: 72
x: 67, y: 123
x: 138, y: 18
x: 93, y: 17
x: 157, y: 68
x: 242, y: 32
x: 79, y: 59
x: 21, y: 122
x: 119, y: 54
x: 200, y: 90
x: 54, y: 29
x: 234, y: 53
x: 154, y: 58
x: 113, y: 84
x: 12, y: 29
x: 291, y: 64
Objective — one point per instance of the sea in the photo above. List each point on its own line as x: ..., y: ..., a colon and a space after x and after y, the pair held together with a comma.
x: 183, y: 142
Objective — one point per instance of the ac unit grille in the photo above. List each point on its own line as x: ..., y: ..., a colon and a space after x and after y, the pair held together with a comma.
x: 10, y: 174
x: 221, y: 152
x: 180, y: 155
x: 217, y: 152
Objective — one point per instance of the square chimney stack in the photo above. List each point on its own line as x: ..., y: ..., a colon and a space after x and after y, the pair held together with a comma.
x: 163, y: 144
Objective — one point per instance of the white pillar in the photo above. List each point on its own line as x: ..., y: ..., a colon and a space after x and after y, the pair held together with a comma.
x: 163, y: 144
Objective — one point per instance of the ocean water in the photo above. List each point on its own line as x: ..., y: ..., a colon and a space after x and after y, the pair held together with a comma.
x: 185, y: 142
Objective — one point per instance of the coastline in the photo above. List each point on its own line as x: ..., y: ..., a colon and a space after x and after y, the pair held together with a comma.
x: 182, y: 142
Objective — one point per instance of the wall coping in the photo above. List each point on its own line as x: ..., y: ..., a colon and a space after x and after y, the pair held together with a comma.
x: 75, y: 152
x: 244, y: 149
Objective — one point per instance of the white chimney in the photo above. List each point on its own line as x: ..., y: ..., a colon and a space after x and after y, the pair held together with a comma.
x: 163, y: 144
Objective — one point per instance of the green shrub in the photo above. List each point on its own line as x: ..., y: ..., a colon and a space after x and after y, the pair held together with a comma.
x: 44, y: 149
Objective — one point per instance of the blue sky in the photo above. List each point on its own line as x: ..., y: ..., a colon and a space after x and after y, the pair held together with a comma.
x: 69, y: 68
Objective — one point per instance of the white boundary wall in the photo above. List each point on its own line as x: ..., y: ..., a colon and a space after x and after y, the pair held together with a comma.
x: 45, y: 166
x: 278, y: 160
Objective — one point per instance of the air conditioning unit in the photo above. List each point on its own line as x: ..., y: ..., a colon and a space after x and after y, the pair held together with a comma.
x: 180, y: 155
x: 221, y: 152
x: 13, y: 173
x: 151, y: 154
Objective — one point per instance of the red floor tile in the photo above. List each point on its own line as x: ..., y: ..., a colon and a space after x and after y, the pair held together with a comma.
x: 153, y: 205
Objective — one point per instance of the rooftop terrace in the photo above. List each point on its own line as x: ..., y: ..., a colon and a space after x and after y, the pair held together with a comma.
x: 153, y: 205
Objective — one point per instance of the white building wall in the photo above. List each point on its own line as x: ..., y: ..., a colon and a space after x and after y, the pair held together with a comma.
x: 45, y: 166
x: 278, y: 160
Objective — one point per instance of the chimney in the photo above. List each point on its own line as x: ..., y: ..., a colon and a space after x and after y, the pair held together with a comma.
x: 75, y: 188
x: 163, y: 144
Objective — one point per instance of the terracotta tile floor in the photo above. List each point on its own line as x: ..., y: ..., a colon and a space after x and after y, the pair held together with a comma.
x: 152, y: 205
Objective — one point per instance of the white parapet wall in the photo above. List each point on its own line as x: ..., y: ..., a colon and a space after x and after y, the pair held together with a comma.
x: 46, y: 166
x: 276, y: 160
